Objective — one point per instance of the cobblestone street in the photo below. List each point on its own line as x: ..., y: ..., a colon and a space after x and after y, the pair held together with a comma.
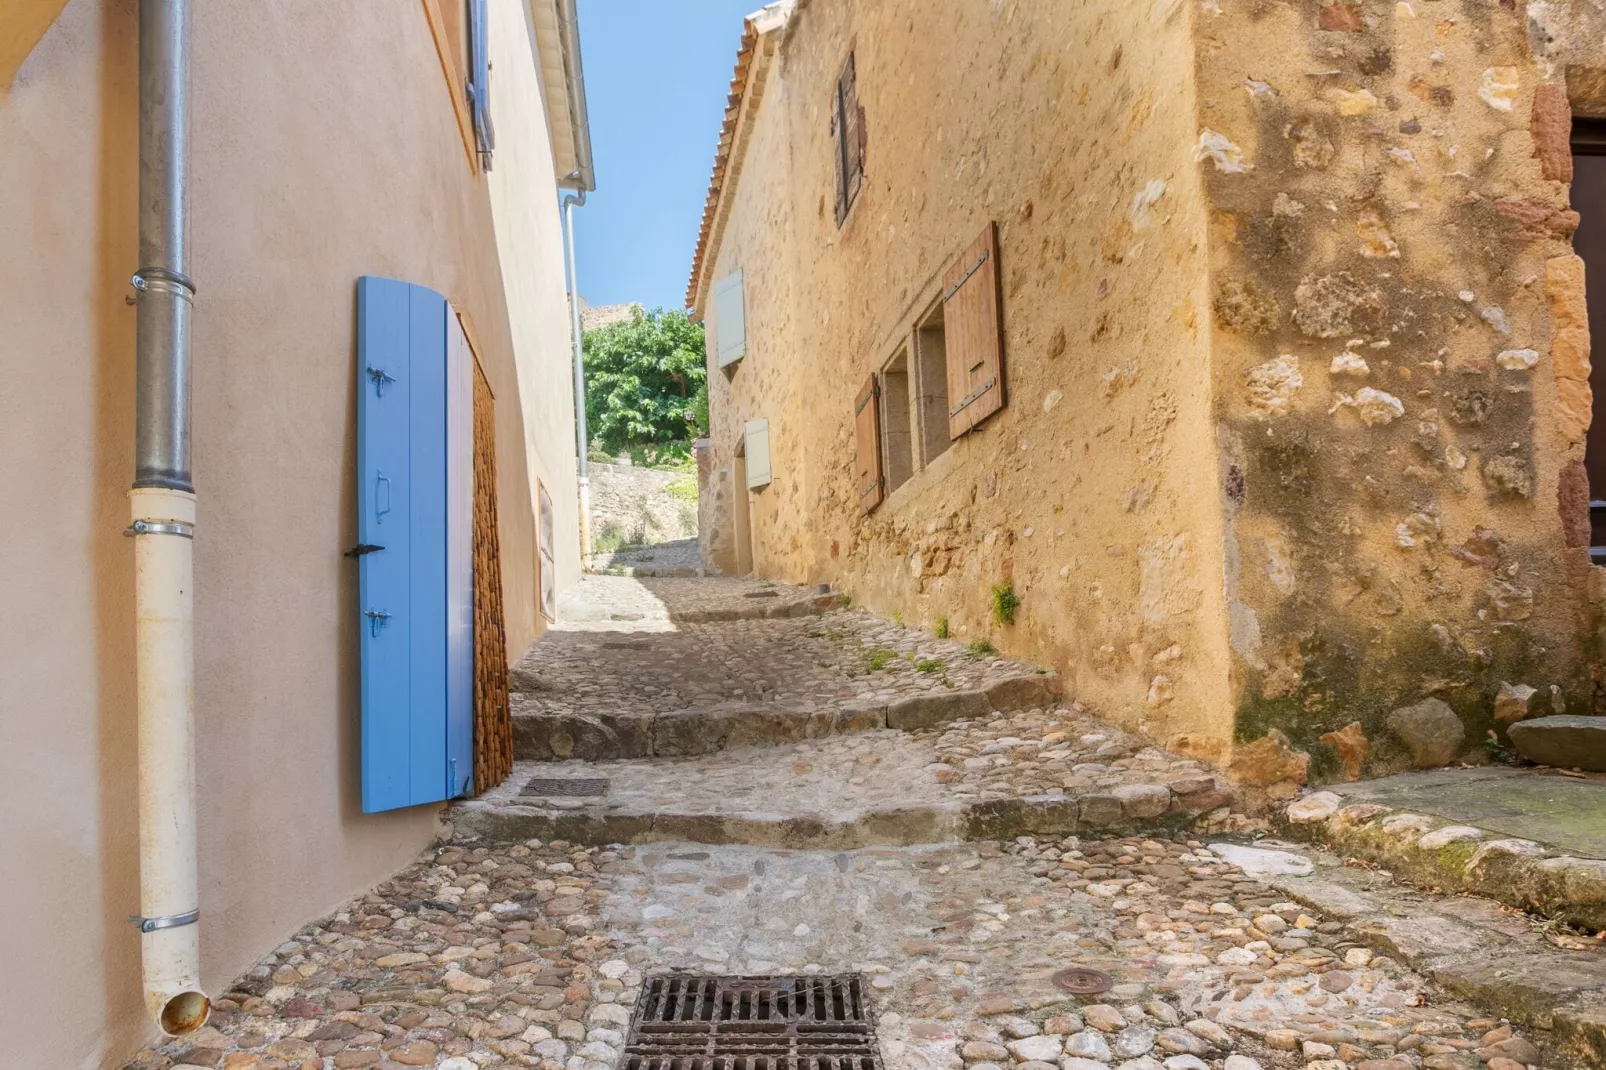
x: 957, y: 862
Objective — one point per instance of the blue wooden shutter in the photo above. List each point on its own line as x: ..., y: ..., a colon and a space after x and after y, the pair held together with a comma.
x: 479, y: 86
x: 411, y: 583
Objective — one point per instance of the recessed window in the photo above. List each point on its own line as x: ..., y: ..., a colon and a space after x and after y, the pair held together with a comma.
x: 931, y: 384
x: 897, y: 440
x: 847, y: 131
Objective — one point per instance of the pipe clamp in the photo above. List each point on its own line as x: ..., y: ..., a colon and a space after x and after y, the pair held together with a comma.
x: 160, y: 527
x: 161, y: 280
x: 171, y: 921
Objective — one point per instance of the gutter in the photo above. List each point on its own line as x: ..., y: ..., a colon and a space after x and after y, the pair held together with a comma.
x: 162, y: 502
x: 583, y: 180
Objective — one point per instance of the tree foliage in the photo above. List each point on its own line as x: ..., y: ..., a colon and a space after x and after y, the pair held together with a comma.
x: 646, y: 386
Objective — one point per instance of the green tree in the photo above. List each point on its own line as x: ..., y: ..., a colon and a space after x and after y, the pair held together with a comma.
x: 646, y: 386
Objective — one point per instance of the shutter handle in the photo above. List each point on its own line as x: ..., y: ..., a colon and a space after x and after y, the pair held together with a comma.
x: 380, y: 512
x: 376, y: 621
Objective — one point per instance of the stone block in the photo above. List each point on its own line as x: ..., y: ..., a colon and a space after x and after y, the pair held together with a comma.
x: 1431, y: 731
x: 1024, y: 692
x: 1101, y: 811
x: 1141, y: 802
x: 1271, y: 759
x: 686, y: 733
x: 1563, y: 742
x: 553, y: 737
x: 924, y: 711
x: 761, y: 725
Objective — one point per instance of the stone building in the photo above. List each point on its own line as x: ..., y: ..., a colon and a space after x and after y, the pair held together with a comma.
x: 1228, y: 356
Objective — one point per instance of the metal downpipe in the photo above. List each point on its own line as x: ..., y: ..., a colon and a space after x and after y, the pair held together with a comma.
x: 582, y: 438
x: 162, y: 504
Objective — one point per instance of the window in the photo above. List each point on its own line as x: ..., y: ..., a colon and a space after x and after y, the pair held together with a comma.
x: 479, y: 81
x: 847, y: 130
x: 730, y: 319
x: 931, y: 385
x: 973, y: 335
x: 546, y: 549
x: 897, y: 443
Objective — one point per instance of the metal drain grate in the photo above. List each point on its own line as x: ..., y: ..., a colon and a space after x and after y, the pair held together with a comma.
x: 565, y: 786
x: 753, y: 1023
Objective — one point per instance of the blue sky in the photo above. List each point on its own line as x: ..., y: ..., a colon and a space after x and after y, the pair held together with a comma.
x: 657, y: 74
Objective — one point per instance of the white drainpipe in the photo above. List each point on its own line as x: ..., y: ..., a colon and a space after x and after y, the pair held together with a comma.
x: 163, y: 506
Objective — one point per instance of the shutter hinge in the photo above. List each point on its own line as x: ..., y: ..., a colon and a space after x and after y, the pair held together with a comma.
x: 974, y: 395
x: 971, y: 270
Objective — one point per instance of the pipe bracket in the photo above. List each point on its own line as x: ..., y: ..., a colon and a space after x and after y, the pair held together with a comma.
x: 160, y: 527
x: 170, y: 921
x: 161, y: 280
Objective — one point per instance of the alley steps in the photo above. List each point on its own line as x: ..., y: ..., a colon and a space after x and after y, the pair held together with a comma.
x: 998, y: 775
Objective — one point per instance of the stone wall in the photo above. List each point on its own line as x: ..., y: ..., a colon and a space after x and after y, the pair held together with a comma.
x: 1296, y: 373
x: 1401, y: 371
x: 641, y: 506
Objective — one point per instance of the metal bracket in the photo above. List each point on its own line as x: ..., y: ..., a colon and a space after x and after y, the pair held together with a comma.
x: 171, y: 921
x: 380, y: 378
x: 181, y: 528
x: 971, y: 270
x: 161, y: 280
x: 974, y: 395
x: 362, y: 548
x: 376, y: 620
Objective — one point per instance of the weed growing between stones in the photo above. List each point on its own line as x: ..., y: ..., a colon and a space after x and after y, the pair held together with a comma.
x: 930, y: 665
x: 941, y: 631
x: 982, y: 648
x: 1005, y: 603
x: 877, y: 659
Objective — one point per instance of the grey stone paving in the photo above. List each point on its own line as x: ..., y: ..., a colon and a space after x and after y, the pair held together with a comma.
x: 1566, y: 812
x: 531, y: 956
x: 1067, y: 770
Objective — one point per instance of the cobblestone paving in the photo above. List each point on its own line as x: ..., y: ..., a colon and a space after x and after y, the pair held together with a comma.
x: 583, y: 667
x: 676, y: 558
x: 531, y: 956
x: 887, y: 783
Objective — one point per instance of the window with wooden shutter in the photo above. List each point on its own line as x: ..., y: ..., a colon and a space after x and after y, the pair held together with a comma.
x: 847, y: 128
x: 973, y: 330
x: 867, y: 427
x: 479, y: 81
x: 756, y: 443
x: 730, y: 319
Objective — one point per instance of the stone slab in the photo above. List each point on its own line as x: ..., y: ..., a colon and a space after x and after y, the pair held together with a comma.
x: 1564, y: 812
x: 1563, y: 742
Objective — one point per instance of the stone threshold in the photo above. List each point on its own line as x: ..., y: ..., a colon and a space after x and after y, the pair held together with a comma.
x: 689, y: 733
x: 762, y: 609
x: 1439, y: 853
x: 1471, y: 949
x: 1130, y: 808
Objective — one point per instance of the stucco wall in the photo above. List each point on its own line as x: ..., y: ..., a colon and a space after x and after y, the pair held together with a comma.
x: 1072, y: 128
x: 1401, y: 427
x: 324, y: 147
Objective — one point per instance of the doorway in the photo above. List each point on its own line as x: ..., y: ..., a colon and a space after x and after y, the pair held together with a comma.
x: 1589, y: 201
x: 742, y: 521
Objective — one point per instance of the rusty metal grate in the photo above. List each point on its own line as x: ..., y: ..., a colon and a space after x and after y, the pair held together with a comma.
x: 685, y: 1022
x: 565, y: 786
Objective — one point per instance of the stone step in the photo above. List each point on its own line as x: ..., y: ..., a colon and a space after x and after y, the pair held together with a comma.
x: 1044, y: 772
x: 544, y: 736
x: 1527, y: 839
x: 1474, y: 950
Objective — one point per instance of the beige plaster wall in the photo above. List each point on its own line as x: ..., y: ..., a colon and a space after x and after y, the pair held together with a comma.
x: 1404, y: 496
x: 1071, y: 126
x: 324, y: 147
x: 529, y: 239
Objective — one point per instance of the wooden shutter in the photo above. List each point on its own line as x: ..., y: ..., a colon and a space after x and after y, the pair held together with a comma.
x: 415, y: 535
x: 479, y: 85
x: 974, y: 335
x: 756, y: 443
x: 847, y: 126
x: 730, y: 319
x: 867, y: 428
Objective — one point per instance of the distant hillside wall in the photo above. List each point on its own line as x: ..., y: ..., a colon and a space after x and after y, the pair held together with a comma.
x: 641, y: 506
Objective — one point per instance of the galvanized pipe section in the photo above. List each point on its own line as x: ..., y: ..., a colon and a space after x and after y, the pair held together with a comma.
x: 570, y: 203
x: 163, y: 511
x: 162, y: 405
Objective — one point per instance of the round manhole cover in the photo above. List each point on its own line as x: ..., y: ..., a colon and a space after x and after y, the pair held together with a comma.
x: 1082, y: 981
